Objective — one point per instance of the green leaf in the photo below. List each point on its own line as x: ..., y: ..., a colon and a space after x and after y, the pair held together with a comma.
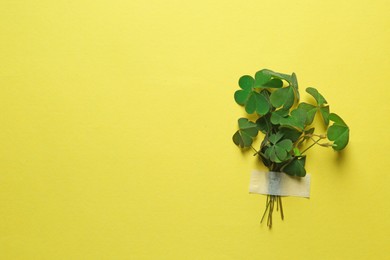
x: 339, y: 135
x: 290, y: 133
x: 310, y: 110
x: 294, y: 84
x: 337, y: 119
x: 297, y: 119
x: 265, y: 156
x: 246, y: 133
x: 276, y: 74
x: 242, y: 140
x: 282, y: 97
x: 251, y: 99
x: 267, y: 153
x: 338, y: 132
x: 296, y: 167
x: 273, y: 157
x: 257, y: 102
x: 250, y: 106
x: 279, y: 151
x: 274, y: 83
x: 274, y: 138
x: 248, y: 127
x: 261, y: 78
x: 264, y: 124
x: 278, y: 115
x: 286, y: 144
x: 262, y: 105
x: 325, y: 114
x: 246, y: 82
x: 241, y: 96
x: 317, y: 96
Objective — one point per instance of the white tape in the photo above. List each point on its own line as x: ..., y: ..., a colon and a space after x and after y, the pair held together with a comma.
x: 278, y: 183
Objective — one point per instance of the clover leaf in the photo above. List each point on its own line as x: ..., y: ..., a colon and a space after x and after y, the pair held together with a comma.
x: 264, y: 79
x: 296, y: 120
x: 283, y: 97
x: 338, y: 132
x: 286, y: 124
x: 312, y: 110
x: 247, y: 132
x: 291, y: 79
x: 317, y: 96
x: 252, y: 100
x: 270, y: 73
x: 279, y: 150
x: 296, y: 167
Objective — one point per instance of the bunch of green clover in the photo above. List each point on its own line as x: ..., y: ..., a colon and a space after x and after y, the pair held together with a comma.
x: 285, y: 121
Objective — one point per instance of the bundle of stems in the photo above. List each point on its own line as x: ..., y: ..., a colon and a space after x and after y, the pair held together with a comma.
x: 270, y: 206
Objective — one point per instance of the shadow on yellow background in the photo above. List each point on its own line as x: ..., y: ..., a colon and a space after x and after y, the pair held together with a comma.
x: 116, y: 120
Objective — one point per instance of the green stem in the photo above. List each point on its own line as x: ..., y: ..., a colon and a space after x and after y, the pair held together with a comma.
x: 315, y: 142
x: 270, y: 204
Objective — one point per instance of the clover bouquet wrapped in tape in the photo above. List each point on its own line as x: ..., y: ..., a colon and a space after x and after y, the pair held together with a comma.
x: 286, y: 123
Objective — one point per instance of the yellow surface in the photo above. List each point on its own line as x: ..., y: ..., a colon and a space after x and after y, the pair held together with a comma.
x: 116, y: 120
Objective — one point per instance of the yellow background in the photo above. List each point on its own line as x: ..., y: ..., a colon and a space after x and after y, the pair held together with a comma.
x: 116, y: 120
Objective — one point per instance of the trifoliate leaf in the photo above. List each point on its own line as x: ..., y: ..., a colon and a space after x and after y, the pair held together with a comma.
x: 296, y: 167
x: 310, y: 110
x: 291, y: 79
x: 278, y: 150
x: 251, y: 99
x: 246, y: 84
x: 282, y: 97
x: 246, y: 133
x: 338, y: 132
x: 317, y: 96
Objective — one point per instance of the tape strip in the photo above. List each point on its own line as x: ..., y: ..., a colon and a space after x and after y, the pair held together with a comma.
x: 278, y: 183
